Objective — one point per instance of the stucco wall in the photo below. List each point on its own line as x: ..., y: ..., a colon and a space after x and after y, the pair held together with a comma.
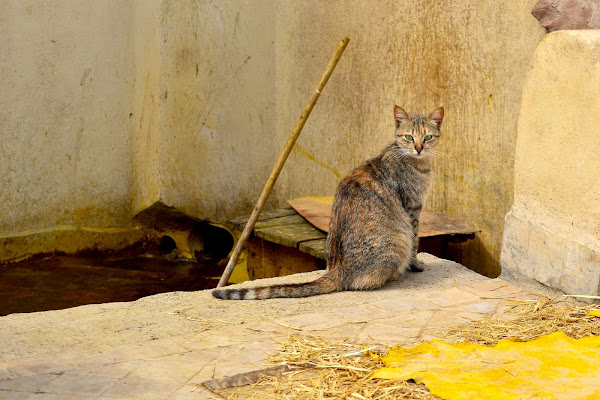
x: 553, y: 228
x: 190, y: 102
x: 469, y: 56
x: 66, y: 76
x: 218, y: 141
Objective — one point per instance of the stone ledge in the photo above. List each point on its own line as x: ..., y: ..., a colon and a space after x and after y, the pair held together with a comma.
x: 549, y: 258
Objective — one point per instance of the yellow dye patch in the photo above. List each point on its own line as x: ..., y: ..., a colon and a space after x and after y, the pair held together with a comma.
x: 323, y: 164
x: 595, y: 313
x: 554, y: 366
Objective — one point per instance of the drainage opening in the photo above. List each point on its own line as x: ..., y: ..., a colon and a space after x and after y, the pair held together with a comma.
x: 188, y: 255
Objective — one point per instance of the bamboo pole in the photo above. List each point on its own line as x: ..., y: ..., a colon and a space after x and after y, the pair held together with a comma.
x: 281, y: 161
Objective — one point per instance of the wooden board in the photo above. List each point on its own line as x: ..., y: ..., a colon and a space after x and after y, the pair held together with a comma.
x: 317, y: 211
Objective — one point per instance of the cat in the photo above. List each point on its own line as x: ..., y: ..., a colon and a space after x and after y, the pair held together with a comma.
x: 373, y: 231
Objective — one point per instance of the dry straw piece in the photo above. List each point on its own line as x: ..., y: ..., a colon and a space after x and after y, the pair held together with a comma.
x: 528, y: 320
x: 326, y: 369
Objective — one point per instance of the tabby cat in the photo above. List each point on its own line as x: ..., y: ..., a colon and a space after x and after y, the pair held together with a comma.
x: 375, y: 217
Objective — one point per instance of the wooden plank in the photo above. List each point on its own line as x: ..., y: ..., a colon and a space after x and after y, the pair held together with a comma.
x: 317, y: 210
x: 267, y: 260
x: 239, y: 223
x: 289, y: 235
x: 295, y: 219
x: 437, y: 224
x: 315, y: 248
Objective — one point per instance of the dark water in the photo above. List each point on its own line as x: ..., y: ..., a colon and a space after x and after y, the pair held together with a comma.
x: 66, y: 281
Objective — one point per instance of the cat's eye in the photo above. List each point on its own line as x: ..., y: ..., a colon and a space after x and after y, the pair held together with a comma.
x: 409, y: 138
x: 428, y: 137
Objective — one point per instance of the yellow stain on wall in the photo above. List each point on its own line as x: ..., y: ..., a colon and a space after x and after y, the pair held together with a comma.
x: 311, y: 157
x: 554, y: 366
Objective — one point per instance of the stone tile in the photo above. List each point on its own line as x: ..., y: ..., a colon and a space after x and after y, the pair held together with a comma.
x: 201, y: 341
x: 37, y: 366
x: 117, y: 398
x: 428, y: 337
x: 138, y: 388
x: 205, y: 374
x: 230, y: 335
x: 403, y: 305
x: 521, y: 296
x: 197, y: 359
x: 494, y: 288
x: 238, y: 361
x: 242, y: 333
x: 388, y: 335
x: 82, y: 385
x: 344, y: 332
x: 81, y: 359
x: 52, y: 396
x: 400, y: 330
x: 139, y: 351
x: 444, y: 319
x: 5, y: 373
x: 164, y: 370
x: 269, y: 328
x: 10, y: 395
x: 311, y: 322
x: 488, y: 285
x: 235, y: 360
x: 193, y: 392
x: 448, y: 297
x: 361, y: 313
x: 27, y: 383
x: 488, y: 306
x: 417, y: 319
x: 472, y: 317
x: 116, y: 371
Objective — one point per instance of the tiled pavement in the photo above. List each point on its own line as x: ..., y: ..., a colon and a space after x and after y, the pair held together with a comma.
x: 174, y: 367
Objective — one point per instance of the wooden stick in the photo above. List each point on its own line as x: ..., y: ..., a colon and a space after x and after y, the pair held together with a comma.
x: 281, y: 161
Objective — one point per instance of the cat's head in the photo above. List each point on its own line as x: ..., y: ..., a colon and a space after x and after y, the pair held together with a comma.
x: 418, y: 135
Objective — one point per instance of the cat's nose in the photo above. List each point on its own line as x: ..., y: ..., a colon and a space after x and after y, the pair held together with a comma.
x: 419, y: 148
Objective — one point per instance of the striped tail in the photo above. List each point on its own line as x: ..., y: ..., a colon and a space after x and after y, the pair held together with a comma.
x: 323, y: 285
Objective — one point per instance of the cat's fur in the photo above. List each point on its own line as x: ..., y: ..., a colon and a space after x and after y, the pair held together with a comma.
x: 375, y: 217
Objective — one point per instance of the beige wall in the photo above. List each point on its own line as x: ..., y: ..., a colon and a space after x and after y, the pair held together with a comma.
x: 190, y: 102
x: 217, y: 104
x: 469, y: 56
x: 66, y: 76
x: 146, y: 31
x: 553, y: 228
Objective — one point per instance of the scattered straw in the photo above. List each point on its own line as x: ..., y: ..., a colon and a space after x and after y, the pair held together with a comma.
x: 338, y: 370
x: 528, y: 320
x: 326, y: 369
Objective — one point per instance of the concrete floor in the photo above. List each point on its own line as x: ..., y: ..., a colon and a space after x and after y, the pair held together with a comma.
x: 165, y: 346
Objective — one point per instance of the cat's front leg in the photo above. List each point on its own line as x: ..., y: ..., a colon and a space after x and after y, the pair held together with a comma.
x: 415, y: 265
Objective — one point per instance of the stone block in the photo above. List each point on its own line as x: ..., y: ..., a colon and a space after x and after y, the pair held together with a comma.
x: 552, y: 232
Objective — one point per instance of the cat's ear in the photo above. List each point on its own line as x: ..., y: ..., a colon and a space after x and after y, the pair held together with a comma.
x: 436, y: 116
x: 400, y: 116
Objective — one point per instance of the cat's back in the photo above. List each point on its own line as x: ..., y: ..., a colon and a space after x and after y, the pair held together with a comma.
x: 367, y: 194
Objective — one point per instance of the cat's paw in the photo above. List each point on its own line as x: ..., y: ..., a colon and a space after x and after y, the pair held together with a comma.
x: 415, y: 266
